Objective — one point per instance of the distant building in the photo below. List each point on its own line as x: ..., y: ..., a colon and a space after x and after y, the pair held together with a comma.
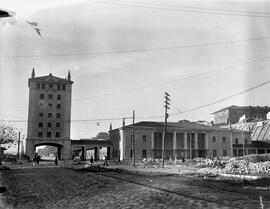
x: 260, y: 137
x: 191, y: 139
x: 49, y: 114
x: 233, y: 114
x: 85, y: 148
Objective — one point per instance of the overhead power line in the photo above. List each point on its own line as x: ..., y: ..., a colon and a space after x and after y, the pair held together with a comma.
x: 198, y: 8
x: 215, y: 102
x: 174, y: 80
x: 165, y: 82
x: 67, y: 121
x: 226, y: 98
x: 207, y: 44
x: 161, y: 116
x: 138, y: 5
x: 13, y: 116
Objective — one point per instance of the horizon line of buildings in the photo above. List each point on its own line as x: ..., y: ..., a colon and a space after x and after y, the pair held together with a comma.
x: 49, y: 115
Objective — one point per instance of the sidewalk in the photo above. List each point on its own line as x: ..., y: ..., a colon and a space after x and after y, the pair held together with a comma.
x: 140, y: 168
x: 182, y: 169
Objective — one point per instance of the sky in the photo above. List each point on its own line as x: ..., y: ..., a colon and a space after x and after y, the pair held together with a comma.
x: 124, y: 54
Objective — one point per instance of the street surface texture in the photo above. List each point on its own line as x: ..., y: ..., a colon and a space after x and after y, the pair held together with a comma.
x: 54, y: 187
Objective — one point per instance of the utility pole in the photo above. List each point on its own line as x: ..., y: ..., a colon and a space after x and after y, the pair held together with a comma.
x: 190, y: 147
x: 167, y: 99
x: 133, y: 137
x: 243, y: 142
x: 19, y: 142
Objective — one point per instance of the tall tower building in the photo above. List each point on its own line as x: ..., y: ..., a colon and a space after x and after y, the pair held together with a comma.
x: 49, y: 114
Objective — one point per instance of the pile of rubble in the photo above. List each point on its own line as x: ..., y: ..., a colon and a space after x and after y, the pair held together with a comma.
x: 249, y: 164
x: 150, y: 162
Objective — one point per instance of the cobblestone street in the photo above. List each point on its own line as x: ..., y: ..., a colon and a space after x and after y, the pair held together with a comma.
x: 63, y: 188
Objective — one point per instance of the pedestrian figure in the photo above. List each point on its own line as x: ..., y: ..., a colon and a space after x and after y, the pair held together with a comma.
x: 175, y: 159
x: 37, y: 159
x: 170, y: 159
x: 183, y: 157
x: 91, y: 160
x: 56, y: 161
x: 105, y: 162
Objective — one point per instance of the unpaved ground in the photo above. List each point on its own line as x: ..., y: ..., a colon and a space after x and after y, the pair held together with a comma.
x: 53, y: 187
x: 63, y: 188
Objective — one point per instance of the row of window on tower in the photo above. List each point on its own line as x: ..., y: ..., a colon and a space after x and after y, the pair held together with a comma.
x: 58, y: 115
x: 50, y: 105
x: 50, y: 96
x: 49, y: 134
x: 49, y: 125
x: 59, y: 87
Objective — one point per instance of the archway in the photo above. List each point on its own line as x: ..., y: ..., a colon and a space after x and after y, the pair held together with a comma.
x: 48, y: 151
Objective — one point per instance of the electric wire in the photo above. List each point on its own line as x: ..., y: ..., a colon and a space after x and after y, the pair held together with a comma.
x: 160, y: 116
x: 197, y: 8
x: 207, y: 44
x: 174, y: 80
x: 136, y: 5
x: 215, y: 102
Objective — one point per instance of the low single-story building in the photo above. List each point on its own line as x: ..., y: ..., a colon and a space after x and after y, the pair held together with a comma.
x: 81, y: 147
x: 183, y: 137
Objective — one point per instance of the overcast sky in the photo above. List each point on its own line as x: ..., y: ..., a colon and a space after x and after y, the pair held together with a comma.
x: 123, y: 55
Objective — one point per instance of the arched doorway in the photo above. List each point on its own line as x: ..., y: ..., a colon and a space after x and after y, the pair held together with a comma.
x: 48, y: 151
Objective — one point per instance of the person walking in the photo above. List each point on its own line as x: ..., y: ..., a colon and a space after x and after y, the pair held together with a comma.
x: 56, y: 161
x: 37, y: 159
x: 183, y: 157
x: 34, y: 160
x: 91, y: 160
x: 105, y: 162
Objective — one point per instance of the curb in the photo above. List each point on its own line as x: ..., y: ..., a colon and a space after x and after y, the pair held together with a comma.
x: 239, y: 176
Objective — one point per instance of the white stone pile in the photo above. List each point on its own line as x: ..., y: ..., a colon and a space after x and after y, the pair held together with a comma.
x: 249, y: 164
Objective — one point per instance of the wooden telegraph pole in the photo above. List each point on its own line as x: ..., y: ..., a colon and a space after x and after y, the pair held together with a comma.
x: 167, y: 99
x: 19, y: 142
x: 133, y: 138
x: 243, y: 141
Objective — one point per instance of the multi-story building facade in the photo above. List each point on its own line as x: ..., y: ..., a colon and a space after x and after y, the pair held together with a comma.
x: 191, y: 139
x: 232, y: 114
x: 49, y: 114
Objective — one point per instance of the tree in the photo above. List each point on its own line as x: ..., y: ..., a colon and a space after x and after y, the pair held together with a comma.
x: 8, y: 137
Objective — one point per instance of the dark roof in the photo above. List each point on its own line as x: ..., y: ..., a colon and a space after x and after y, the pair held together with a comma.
x: 50, y: 78
x: 241, y: 107
x: 91, y: 142
x: 179, y: 125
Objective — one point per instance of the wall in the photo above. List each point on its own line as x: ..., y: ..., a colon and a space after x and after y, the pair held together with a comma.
x: 139, y: 143
x: 218, y: 144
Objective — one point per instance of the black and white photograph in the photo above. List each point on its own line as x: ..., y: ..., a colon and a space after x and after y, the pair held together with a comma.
x: 135, y: 104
